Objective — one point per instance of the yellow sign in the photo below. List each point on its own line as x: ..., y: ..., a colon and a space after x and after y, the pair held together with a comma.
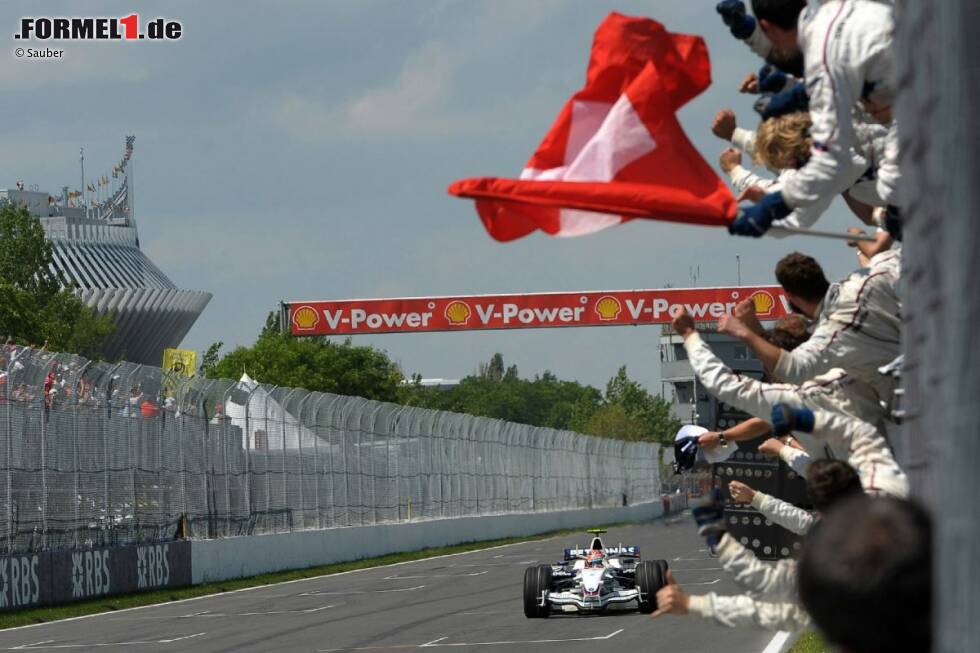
x: 180, y: 361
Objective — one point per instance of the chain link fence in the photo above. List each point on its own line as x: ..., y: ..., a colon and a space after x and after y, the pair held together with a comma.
x: 95, y: 453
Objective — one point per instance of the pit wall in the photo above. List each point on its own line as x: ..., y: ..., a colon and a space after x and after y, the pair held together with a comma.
x: 237, y: 557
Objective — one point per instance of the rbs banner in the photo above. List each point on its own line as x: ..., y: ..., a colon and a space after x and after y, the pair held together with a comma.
x: 529, y: 311
x: 55, y: 577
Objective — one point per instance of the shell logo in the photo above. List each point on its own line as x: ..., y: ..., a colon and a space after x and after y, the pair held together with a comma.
x: 305, y: 318
x: 608, y: 308
x: 764, y: 302
x: 458, y: 313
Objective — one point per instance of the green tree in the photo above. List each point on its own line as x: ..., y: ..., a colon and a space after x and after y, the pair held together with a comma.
x: 499, y: 392
x: 34, y: 306
x: 317, y: 364
x: 638, y: 404
x: 210, y: 359
x: 611, y: 421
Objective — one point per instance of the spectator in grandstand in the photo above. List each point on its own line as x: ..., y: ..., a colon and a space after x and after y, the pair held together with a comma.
x: 865, y: 576
x: 770, y: 601
x: 133, y: 402
x: 149, y: 410
x: 857, y: 322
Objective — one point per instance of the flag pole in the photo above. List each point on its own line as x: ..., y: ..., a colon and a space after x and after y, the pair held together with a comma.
x: 798, y: 231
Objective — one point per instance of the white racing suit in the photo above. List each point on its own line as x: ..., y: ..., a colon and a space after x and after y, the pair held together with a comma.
x: 795, y: 520
x: 798, y: 461
x: 758, y: 42
x: 834, y: 390
x: 770, y: 602
x: 870, y: 456
x: 745, y: 612
x: 744, y: 141
x: 847, y: 49
x: 858, y: 329
x: 849, y: 436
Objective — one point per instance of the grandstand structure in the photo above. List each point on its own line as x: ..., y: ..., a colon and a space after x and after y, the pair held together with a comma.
x: 97, y: 253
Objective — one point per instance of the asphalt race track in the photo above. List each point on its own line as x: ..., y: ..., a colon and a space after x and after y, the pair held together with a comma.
x: 470, y: 600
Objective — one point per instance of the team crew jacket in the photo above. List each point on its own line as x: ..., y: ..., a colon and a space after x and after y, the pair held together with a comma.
x: 870, y: 455
x: 795, y: 520
x: 834, y: 390
x: 771, y: 582
x: 858, y: 328
x: 869, y: 168
x: 770, y: 601
x: 840, y: 402
x: 745, y: 612
x: 847, y: 50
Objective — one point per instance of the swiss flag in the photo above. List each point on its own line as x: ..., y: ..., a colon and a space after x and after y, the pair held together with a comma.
x: 616, y: 151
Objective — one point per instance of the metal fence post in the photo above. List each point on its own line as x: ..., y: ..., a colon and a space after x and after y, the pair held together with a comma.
x: 316, y: 460
x: 9, y: 381
x: 207, y: 444
x: 268, y: 448
x: 225, y: 442
x: 248, y: 451
x: 396, y: 421
x: 373, y: 456
x: 299, y: 444
x: 76, y: 497
x: 285, y: 490
x: 45, y: 415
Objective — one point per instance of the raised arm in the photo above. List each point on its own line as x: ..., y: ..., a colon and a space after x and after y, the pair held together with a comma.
x: 764, y: 350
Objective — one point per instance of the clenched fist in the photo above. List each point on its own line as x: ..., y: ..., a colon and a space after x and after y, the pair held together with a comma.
x: 724, y: 124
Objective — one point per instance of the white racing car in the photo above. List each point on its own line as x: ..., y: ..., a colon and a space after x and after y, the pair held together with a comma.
x: 592, y: 579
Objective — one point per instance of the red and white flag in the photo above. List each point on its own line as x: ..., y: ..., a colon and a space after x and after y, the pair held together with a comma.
x: 616, y: 151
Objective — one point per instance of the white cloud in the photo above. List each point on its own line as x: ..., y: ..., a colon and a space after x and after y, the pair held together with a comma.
x: 413, y: 104
x: 416, y: 103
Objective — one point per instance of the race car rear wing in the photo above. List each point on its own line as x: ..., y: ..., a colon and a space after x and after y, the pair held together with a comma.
x: 615, y: 551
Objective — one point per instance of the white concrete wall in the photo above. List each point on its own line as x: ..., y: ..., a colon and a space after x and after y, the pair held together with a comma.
x: 236, y: 557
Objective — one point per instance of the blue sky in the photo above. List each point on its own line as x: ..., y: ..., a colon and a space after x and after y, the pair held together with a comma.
x: 301, y: 150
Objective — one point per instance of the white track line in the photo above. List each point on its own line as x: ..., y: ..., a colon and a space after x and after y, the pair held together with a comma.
x: 475, y: 573
x: 442, y: 643
x: 47, y: 644
x: 777, y: 643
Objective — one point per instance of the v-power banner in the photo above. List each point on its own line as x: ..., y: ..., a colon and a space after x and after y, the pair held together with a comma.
x: 524, y: 311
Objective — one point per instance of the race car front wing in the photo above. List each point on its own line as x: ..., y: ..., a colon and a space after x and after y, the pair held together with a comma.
x: 584, y: 603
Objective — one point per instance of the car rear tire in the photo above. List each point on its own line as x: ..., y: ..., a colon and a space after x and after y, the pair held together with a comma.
x: 650, y: 578
x: 536, y: 580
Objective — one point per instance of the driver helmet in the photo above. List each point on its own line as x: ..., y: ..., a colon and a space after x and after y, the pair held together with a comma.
x: 595, y: 559
x: 685, y: 453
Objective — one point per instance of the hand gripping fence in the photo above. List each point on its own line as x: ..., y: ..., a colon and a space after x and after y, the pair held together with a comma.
x: 95, y: 453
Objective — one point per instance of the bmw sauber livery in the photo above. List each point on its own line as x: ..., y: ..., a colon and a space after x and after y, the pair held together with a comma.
x: 593, y: 579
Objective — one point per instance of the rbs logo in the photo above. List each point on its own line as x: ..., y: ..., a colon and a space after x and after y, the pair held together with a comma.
x: 18, y: 582
x: 152, y: 566
x: 89, y: 574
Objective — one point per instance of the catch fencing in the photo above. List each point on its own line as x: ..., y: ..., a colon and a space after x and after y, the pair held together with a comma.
x: 98, y: 454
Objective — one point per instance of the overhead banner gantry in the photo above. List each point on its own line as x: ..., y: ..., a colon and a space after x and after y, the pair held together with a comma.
x: 524, y: 311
